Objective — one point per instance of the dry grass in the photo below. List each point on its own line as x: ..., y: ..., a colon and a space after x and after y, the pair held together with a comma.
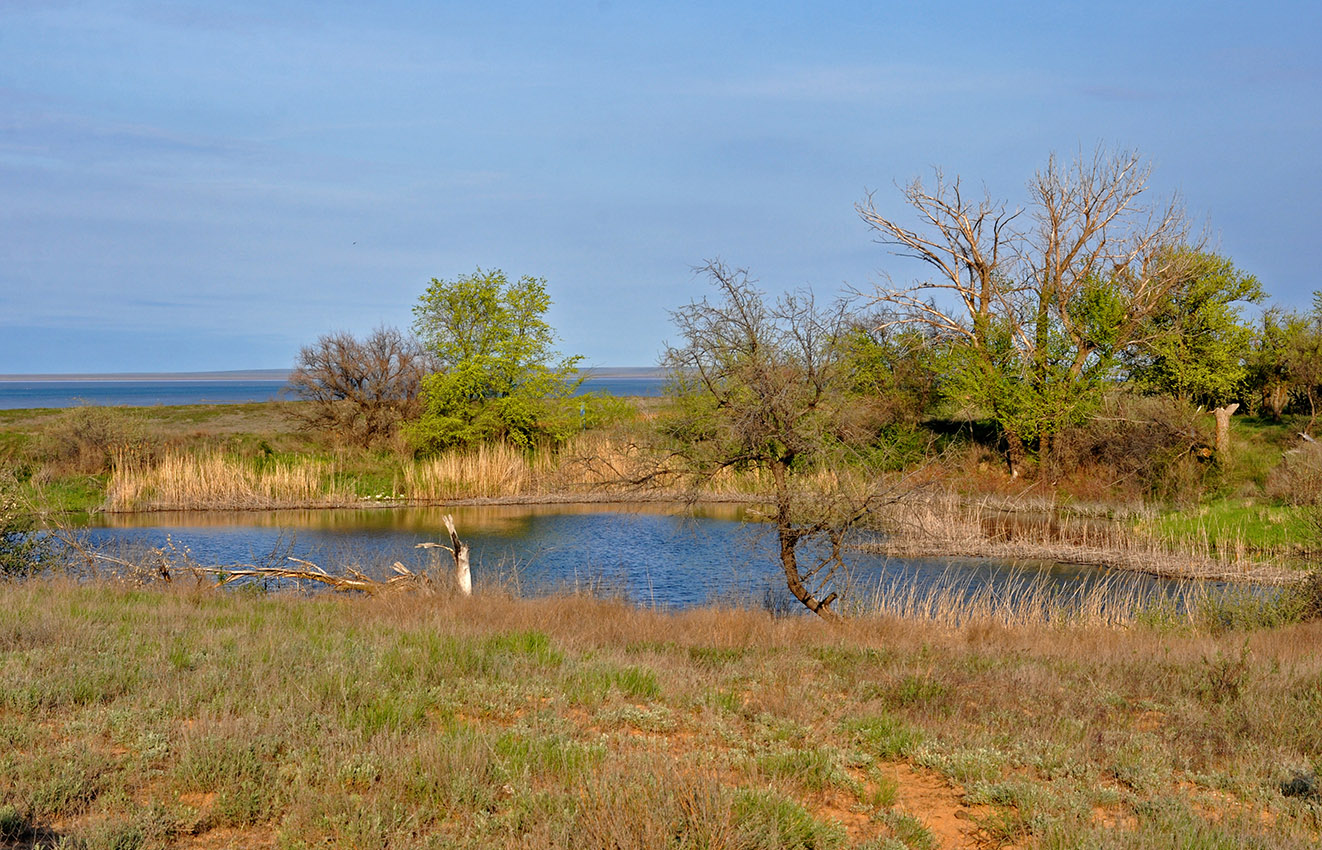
x: 946, y: 523
x: 183, y: 716
x: 179, y: 481
x: 592, y: 466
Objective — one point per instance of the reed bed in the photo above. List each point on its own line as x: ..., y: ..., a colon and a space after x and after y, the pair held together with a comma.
x: 1031, y: 599
x: 944, y: 522
x: 487, y: 472
x: 180, y: 481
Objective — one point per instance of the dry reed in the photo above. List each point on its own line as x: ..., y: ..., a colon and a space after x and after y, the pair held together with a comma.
x: 180, y: 481
x: 946, y: 523
x: 1032, y: 599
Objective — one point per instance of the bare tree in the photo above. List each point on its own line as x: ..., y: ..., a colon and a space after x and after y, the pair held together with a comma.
x: 764, y: 387
x: 1037, y: 304
x: 359, y: 390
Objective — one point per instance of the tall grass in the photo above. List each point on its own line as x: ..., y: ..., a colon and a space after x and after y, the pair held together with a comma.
x: 945, y: 522
x: 590, y: 466
x: 183, y: 481
x: 1031, y: 599
x: 489, y: 471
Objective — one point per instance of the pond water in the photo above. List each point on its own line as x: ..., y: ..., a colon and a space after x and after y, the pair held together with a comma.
x: 656, y: 555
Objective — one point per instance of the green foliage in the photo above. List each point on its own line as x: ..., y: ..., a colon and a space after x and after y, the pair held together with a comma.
x: 1285, y: 365
x: 768, y: 819
x: 1195, y: 344
x: 893, y: 373
x: 884, y: 736
x: 499, y: 377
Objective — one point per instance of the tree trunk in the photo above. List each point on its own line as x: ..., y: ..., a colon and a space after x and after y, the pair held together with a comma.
x: 789, y: 543
x: 1015, y: 456
x: 1222, y: 415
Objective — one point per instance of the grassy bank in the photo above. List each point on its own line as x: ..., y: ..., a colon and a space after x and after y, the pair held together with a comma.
x: 180, y: 716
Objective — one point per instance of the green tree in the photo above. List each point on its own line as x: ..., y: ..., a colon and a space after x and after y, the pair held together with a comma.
x: 1034, y: 309
x: 499, y: 376
x: 1195, y: 346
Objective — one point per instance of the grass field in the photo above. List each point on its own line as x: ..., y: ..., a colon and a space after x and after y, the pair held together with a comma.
x: 183, y: 716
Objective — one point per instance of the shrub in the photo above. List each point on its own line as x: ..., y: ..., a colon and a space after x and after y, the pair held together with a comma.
x: 87, y: 439
x: 1155, y: 442
x: 1297, y: 480
x: 359, y: 390
x: 21, y: 550
x: 1306, y: 596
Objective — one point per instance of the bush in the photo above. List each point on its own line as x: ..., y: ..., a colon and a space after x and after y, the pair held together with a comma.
x: 88, y: 439
x: 1155, y: 443
x: 1306, y: 597
x: 1297, y: 480
x: 22, y: 552
x: 359, y: 390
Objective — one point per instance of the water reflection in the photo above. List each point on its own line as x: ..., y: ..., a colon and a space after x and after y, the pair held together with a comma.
x: 653, y: 554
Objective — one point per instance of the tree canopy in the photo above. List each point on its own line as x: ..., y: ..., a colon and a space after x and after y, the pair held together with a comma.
x: 771, y: 387
x: 1033, y: 306
x: 1194, y: 344
x: 499, y: 375
x: 359, y: 389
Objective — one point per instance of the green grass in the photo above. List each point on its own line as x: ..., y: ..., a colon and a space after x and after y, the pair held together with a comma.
x: 154, y: 717
x: 1231, y: 524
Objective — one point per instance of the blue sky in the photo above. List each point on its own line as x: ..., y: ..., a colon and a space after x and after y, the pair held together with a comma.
x: 189, y: 186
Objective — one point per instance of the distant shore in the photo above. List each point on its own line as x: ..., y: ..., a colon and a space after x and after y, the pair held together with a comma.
x: 231, y: 375
x: 269, y: 375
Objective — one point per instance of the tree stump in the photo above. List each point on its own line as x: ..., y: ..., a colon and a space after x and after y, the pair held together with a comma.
x: 1222, y: 415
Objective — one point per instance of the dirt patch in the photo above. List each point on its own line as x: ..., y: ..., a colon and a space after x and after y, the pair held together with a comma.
x: 840, y: 807
x: 938, y: 805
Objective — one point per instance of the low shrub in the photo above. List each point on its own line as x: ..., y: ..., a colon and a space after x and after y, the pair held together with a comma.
x: 1152, y: 443
x: 87, y: 439
x: 1297, y: 480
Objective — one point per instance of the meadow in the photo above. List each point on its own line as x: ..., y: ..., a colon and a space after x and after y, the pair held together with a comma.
x: 153, y: 708
x: 181, y: 715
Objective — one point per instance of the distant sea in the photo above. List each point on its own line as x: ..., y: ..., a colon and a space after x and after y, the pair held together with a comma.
x: 146, y: 392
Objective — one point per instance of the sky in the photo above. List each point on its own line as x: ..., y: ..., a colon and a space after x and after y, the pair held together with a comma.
x: 208, y: 186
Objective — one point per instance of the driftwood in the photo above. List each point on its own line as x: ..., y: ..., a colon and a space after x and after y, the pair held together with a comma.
x: 463, y: 577
x: 351, y: 580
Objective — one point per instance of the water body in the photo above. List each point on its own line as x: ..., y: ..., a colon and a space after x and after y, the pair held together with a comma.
x: 651, y: 555
x: 16, y: 395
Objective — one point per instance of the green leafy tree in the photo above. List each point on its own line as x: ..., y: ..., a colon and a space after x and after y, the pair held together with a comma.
x: 1269, y: 375
x: 499, y: 376
x: 1195, y: 346
x: 1034, y: 308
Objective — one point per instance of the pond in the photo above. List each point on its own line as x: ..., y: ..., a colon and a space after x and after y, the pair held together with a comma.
x: 650, y: 554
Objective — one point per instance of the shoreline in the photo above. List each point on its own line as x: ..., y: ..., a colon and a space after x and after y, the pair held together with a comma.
x: 1147, y: 561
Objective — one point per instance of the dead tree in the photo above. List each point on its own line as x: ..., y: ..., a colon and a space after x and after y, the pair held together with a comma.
x: 463, y: 577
